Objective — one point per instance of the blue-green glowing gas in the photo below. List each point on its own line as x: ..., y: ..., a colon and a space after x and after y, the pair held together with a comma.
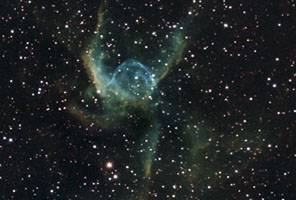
x: 132, y: 81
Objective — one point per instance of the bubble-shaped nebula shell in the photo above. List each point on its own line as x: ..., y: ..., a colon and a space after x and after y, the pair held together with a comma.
x: 132, y: 81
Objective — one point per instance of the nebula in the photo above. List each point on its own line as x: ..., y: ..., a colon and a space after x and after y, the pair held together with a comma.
x: 130, y: 84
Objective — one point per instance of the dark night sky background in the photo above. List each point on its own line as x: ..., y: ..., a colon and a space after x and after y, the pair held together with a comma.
x: 226, y: 111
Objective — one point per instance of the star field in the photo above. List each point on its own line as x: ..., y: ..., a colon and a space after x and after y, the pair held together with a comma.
x: 143, y: 100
